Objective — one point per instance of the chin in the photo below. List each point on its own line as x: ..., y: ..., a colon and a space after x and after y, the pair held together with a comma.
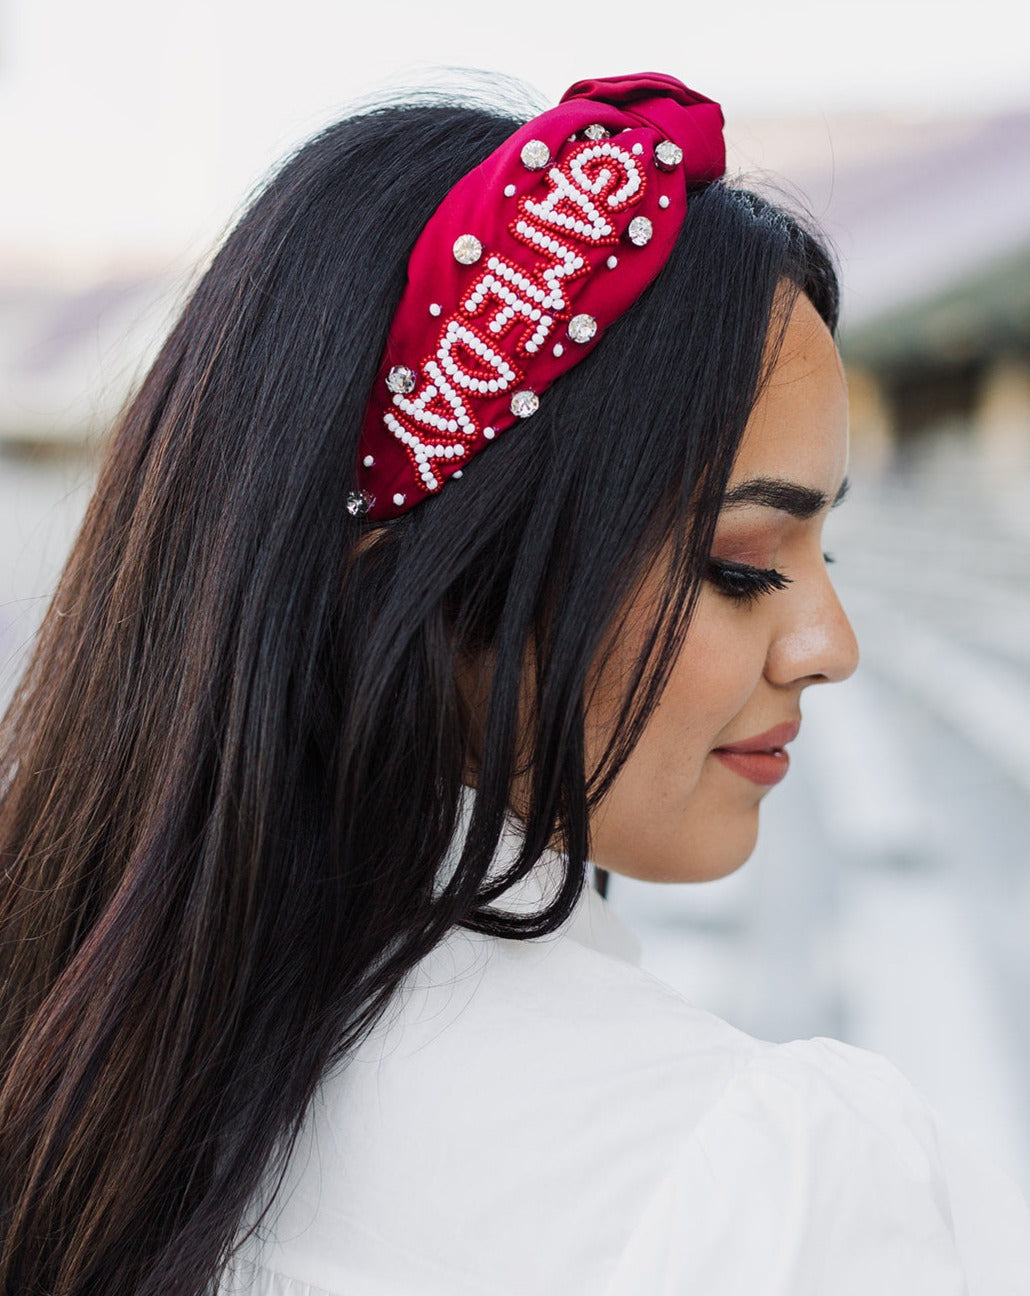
x: 695, y: 854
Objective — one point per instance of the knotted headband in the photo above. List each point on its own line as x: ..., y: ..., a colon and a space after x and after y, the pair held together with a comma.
x: 520, y: 270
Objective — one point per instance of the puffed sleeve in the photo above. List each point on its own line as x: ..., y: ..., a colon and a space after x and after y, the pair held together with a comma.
x: 822, y: 1172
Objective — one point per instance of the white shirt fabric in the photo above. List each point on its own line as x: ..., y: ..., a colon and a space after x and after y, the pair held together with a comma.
x: 544, y: 1118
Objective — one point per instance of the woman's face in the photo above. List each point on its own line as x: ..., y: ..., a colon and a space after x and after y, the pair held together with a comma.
x: 684, y: 807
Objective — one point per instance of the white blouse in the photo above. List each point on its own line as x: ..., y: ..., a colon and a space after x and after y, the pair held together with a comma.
x: 544, y: 1118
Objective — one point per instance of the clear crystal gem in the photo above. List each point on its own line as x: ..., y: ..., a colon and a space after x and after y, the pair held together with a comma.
x: 640, y: 230
x: 524, y: 403
x: 359, y: 502
x: 467, y: 249
x: 582, y: 328
x: 535, y: 155
x: 400, y: 380
x: 597, y: 131
x: 668, y: 155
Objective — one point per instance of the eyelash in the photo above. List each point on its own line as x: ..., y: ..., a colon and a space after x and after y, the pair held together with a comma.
x: 742, y: 583
x: 745, y: 584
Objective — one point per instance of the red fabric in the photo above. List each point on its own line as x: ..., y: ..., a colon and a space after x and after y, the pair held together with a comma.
x: 639, y: 110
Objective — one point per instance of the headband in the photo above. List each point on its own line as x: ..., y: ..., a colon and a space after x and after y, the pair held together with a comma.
x: 522, y: 267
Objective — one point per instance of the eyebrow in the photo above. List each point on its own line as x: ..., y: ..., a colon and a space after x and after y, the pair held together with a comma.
x: 787, y: 496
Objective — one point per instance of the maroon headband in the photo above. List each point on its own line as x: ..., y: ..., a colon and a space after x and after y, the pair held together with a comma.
x: 521, y: 269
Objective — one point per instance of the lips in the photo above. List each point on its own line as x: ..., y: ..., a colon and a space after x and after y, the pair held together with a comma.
x: 762, y: 759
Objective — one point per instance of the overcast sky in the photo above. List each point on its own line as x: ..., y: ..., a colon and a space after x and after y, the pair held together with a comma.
x: 129, y: 126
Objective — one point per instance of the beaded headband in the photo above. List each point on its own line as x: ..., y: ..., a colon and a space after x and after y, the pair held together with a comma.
x: 520, y: 270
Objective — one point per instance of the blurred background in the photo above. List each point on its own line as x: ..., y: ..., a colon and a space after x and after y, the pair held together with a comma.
x: 888, y: 903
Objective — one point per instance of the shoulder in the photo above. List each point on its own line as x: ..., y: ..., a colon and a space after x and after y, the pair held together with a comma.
x: 821, y: 1168
x: 824, y: 1091
x: 545, y: 1089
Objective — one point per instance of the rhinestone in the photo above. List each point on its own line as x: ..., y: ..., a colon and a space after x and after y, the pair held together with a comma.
x: 668, y: 155
x: 559, y: 350
x: 524, y: 403
x: 398, y: 499
x: 400, y: 380
x: 368, y: 461
x: 597, y: 131
x: 467, y: 249
x: 458, y: 473
x: 535, y: 155
x: 640, y: 231
x: 663, y: 201
x: 435, y: 308
x: 509, y: 191
x: 359, y: 502
x: 489, y: 433
x: 582, y: 328
x: 612, y: 262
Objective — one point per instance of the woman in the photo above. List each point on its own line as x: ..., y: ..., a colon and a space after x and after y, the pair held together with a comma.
x: 304, y: 989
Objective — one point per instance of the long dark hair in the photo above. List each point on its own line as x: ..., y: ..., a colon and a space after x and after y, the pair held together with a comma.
x: 234, y: 763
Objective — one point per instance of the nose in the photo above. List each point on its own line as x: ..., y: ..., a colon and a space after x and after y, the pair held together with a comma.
x: 815, y: 643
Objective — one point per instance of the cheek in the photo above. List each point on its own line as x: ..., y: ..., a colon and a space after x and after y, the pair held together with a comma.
x: 716, y: 673
x: 671, y: 816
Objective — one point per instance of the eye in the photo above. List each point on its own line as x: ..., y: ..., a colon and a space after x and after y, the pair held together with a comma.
x: 743, y: 583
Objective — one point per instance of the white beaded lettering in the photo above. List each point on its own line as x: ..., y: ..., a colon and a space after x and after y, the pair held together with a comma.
x: 503, y: 375
x: 596, y: 186
x: 422, y: 451
x: 438, y: 425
